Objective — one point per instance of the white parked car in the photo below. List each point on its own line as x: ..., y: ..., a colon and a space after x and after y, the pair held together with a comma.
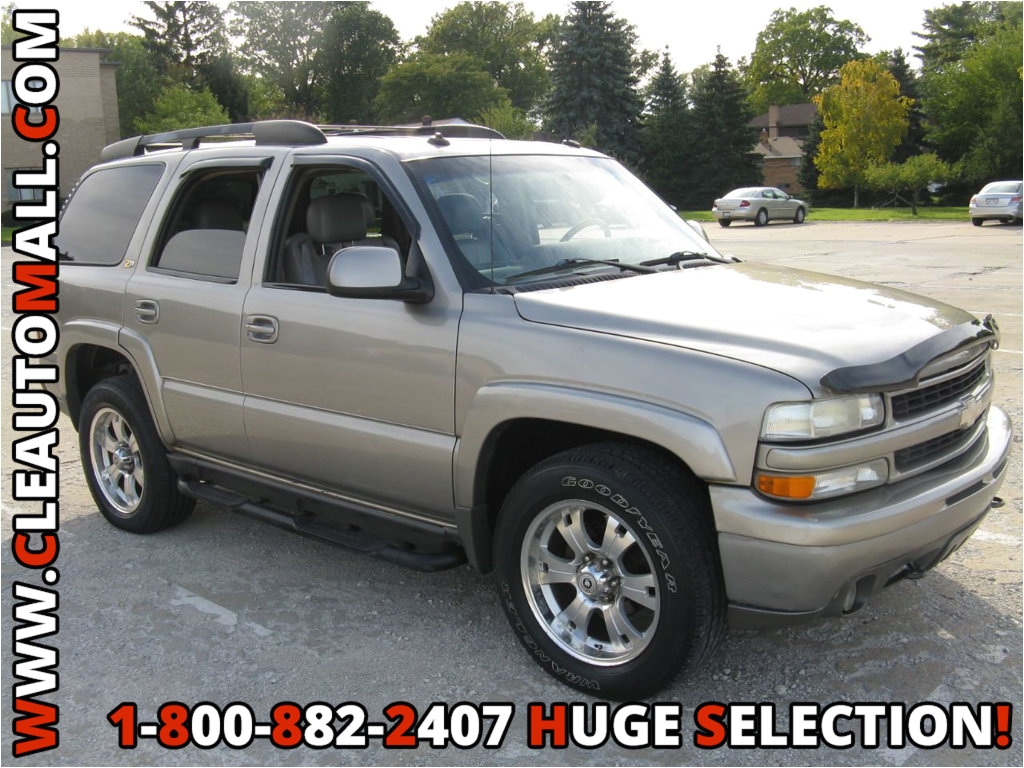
x: 759, y: 205
x: 997, y: 200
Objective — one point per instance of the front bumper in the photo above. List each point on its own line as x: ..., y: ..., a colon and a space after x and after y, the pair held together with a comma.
x: 785, y: 562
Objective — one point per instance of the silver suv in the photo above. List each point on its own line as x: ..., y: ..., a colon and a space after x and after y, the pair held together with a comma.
x: 438, y: 346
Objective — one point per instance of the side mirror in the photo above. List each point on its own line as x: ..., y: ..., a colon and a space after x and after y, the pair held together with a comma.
x: 375, y: 272
x: 697, y: 227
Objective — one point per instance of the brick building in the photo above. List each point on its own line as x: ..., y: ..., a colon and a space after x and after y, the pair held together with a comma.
x: 87, y: 101
x: 783, y: 133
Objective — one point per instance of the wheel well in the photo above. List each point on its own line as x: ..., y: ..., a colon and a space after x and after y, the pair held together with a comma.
x: 86, y: 365
x: 516, y: 446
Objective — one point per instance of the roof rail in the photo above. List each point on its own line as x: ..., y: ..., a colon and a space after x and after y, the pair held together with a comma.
x: 449, y: 130
x: 265, y: 132
x: 283, y: 133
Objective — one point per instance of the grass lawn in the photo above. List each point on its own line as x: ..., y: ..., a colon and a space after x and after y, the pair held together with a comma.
x: 7, y: 235
x: 929, y: 213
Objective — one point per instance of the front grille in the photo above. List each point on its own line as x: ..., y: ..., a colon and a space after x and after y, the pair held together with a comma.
x: 932, y: 450
x: 927, y: 398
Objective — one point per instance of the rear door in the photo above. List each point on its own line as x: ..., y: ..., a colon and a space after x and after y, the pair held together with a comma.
x: 183, y: 306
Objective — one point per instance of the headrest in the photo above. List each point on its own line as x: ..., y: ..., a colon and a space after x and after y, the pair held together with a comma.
x: 218, y: 214
x: 337, y: 218
x: 462, y: 213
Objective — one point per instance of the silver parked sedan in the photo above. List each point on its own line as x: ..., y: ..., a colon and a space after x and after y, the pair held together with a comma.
x: 997, y: 200
x: 759, y: 205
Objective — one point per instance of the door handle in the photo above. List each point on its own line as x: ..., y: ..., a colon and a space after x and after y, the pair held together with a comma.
x: 261, y: 328
x: 148, y: 311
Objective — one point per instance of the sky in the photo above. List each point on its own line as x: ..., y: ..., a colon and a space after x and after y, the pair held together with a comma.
x: 693, y: 31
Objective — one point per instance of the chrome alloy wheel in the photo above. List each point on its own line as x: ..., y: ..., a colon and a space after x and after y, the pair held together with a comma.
x: 116, y: 460
x: 590, y: 582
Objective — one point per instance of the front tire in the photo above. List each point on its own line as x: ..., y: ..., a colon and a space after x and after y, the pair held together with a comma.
x: 125, y: 462
x: 761, y: 218
x: 608, y: 569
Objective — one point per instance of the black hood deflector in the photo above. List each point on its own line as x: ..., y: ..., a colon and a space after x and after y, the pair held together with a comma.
x: 904, y: 370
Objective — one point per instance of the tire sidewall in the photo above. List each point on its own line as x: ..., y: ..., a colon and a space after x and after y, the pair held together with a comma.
x: 673, y: 637
x: 123, y: 395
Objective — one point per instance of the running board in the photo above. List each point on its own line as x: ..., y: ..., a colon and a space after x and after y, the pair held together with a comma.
x: 350, y: 538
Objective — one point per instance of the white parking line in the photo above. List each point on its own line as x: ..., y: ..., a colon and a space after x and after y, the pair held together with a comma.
x: 224, y: 616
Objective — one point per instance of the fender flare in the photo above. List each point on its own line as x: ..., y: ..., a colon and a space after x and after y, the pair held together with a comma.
x: 693, y: 440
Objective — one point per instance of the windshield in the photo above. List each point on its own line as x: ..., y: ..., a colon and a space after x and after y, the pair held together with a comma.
x: 516, y: 218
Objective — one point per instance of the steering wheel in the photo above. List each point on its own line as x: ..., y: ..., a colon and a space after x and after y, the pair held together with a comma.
x: 582, y: 224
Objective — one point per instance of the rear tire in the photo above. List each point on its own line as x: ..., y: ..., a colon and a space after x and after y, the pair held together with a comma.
x: 799, y: 216
x: 761, y: 219
x: 125, y: 462
x: 977, y: 222
x: 724, y: 222
x: 608, y: 569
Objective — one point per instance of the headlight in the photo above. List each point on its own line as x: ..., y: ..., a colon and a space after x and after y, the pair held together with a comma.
x: 822, y: 418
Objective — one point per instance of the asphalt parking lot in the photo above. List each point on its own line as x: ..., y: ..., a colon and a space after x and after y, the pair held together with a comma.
x: 225, y: 609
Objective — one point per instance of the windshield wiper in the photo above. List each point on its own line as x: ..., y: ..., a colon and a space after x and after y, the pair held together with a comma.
x: 675, y: 258
x: 567, y: 265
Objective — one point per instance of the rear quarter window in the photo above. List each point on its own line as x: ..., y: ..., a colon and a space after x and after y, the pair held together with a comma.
x: 103, y: 213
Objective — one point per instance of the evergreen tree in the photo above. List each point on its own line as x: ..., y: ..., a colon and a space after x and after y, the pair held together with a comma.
x: 666, y: 134
x: 896, y: 63
x: 595, y: 74
x: 951, y: 30
x: 183, y: 37
x: 723, y: 141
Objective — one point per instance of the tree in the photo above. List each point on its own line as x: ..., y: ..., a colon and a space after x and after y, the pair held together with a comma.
x: 224, y: 80
x: 510, y: 121
x: 281, y: 42
x: 506, y: 37
x: 266, y: 99
x: 865, y: 119
x: 798, y: 54
x: 950, y: 31
x: 723, y: 141
x: 360, y: 45
x: 666, y: 134
x: 895, y: 62
x: 136, y: 74
x: 7, y: 33
x: 974, y: 106
x: 443, y: 86
x: 595, y: 72
x: 909, y: 178
x: 178, y: 106
x: 183, y: 36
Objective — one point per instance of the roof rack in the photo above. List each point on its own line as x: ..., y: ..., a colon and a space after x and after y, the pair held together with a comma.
x: 281, y: 133
x: 448, y: 130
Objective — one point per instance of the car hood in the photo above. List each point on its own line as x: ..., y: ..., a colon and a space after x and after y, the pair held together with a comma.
x: 804, y: 324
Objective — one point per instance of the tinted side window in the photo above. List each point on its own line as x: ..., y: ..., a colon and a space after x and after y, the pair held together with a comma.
x: 204, y: 234
x: 101, y: 217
